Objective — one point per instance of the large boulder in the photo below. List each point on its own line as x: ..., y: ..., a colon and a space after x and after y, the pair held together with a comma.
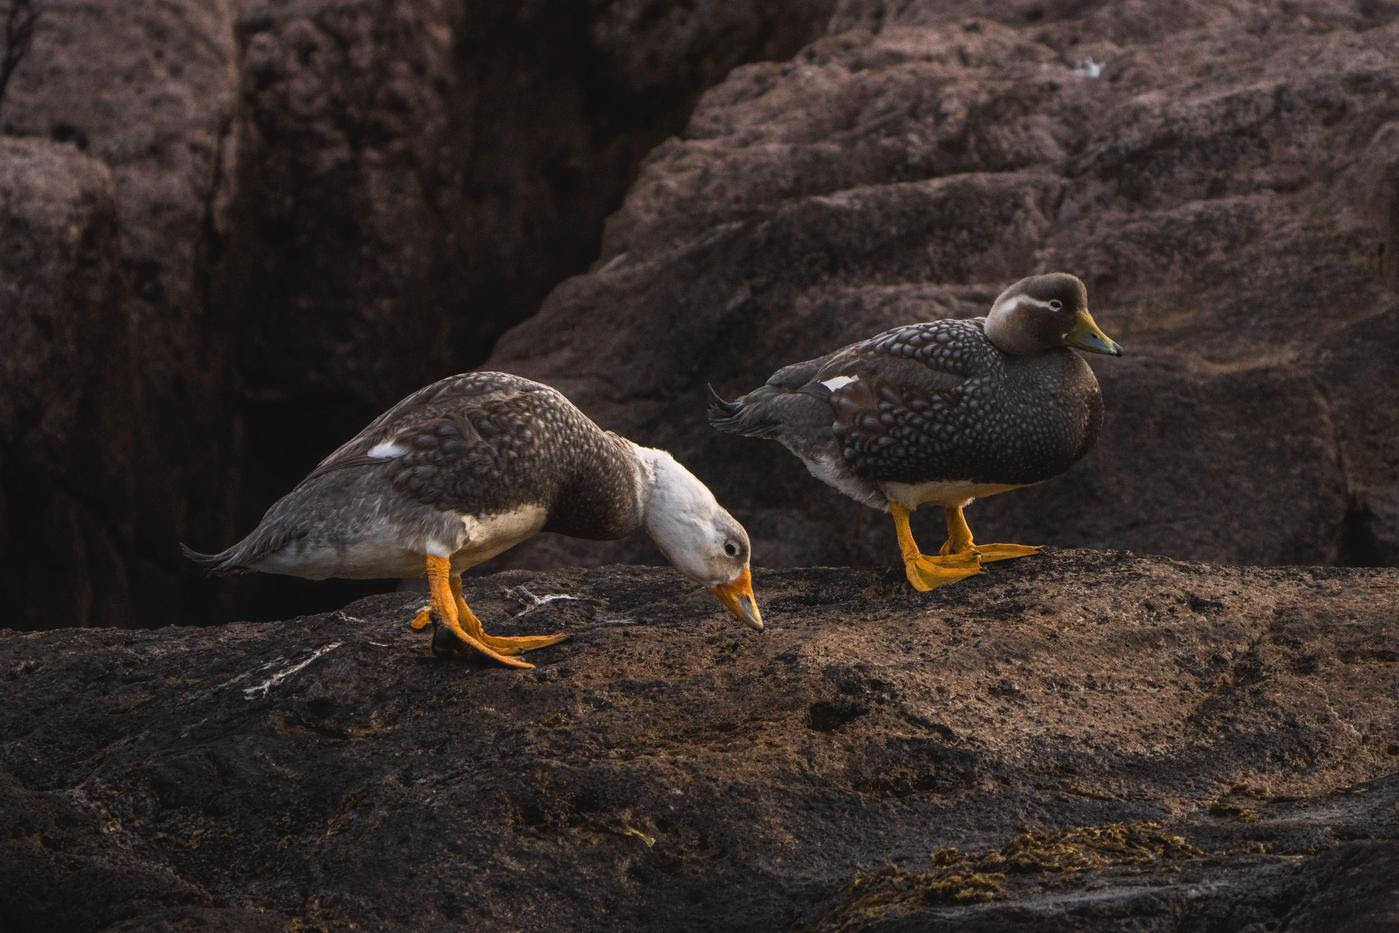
x: 1086, y: 741
x: 312, y: 207
x: 121, y: 113
x: 414, y: 177
x: 1222, y: 177
x: 65, y: 386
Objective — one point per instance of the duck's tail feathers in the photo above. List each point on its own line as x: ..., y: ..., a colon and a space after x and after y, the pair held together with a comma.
x: 221, y: 564
x: 745, y: 415
x: 719, y: 407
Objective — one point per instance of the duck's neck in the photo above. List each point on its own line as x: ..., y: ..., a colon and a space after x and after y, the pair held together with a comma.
x: 670, y: 496
x: 604, y: 493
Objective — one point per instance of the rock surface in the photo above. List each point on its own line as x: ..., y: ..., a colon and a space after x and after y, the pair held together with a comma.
x: 1223, y: 177
x: 289, y: 214
x: 1080, y: 741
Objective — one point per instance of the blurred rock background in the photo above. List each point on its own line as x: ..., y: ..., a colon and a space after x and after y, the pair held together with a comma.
x: 233, y: 231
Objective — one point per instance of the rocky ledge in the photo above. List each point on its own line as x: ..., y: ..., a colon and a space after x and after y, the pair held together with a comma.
x: 1081, y: 740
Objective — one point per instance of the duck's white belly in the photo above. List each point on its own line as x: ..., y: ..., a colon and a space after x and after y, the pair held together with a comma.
x: 948, y: 494
x: 378, y: 552
x: 836, y: 475
x: 485, y: 536
x: 386, y: 550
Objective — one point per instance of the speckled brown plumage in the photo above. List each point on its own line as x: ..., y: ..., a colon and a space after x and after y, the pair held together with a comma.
x: 476, y: 445
x: 487, y: 442
x: 977, y: 415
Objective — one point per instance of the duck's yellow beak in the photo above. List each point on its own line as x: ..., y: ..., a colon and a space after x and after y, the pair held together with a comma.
x: 1087, y: 336
x: 737, y: 597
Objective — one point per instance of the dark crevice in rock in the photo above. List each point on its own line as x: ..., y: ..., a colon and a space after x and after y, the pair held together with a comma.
x: 19, y: 31
x: 211, y: 244
x: 1360, y: 546
x: 1388, y: 248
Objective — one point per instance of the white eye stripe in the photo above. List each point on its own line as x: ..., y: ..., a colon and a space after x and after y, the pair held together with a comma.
x: 1014, y: 303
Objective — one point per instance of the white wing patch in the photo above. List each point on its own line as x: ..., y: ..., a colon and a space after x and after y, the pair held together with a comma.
x: 386, y: 450
x: 835, y: 382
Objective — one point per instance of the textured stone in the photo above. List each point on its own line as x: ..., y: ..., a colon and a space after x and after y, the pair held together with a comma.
x: 668, y: 763
x: 316, y: 206
x: 414, y: 176
x: 147, y: 91
x: 66, y: 383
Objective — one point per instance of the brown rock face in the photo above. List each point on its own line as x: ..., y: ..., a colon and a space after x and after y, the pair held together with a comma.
x: 120, y: 114
x: 1221, y: 177
x: 1082, y: 741
x: 62, y: 339
x: 311, y: 208
x: 418, y: 175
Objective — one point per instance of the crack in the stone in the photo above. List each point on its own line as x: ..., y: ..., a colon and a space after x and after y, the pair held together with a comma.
x: 211, y: 242
x: 19, y: 33
x: 1358, y: 545
x: 1226, y: 686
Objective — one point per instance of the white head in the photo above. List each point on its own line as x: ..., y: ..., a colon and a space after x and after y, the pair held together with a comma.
x: 696, y: 534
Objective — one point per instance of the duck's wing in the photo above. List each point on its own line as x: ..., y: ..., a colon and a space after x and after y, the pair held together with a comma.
x: 447, y: 443
x: 456, y: 445
x: 900, y: 397
x: 452, y: 392
x: 873, y: 404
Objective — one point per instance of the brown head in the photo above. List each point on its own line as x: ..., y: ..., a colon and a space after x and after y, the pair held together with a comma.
x: 1043, y: 312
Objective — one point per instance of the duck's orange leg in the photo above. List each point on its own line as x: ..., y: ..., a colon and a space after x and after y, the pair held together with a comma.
x: 505, y: 644
x: 446, y: 606
x: 959, y: 541
x: 924, y: 572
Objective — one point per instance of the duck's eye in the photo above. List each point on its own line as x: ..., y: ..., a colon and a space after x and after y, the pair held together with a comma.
x: 731, y: 549
x: 1056, y: 305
